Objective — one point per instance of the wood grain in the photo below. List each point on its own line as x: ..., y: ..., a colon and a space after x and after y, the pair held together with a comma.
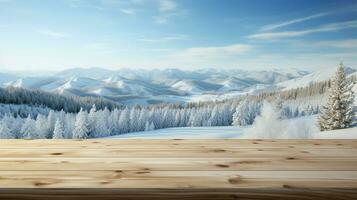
x: 178, y: 164
x: 178, y: 169
x: 179, y: 194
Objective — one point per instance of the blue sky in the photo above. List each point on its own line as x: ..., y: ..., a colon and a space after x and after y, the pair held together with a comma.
x: 187, y: 34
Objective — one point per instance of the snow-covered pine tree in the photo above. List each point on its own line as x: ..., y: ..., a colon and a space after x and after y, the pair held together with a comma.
x: 81, y: 126
x: 28, y: 129
x: 246, y: 112
x: 5, y: 131
x: 338, y: 113
x: 147, y: 126
x: 114, y: 120
x: 51, y: 120
x: 106, y: 115
x: 58, y: 132
x: 91, y: 120
x: 42, y: 127
x: 152, y: 126
x: 16, y: 125
x: 143, y: 116
x: 69, y: 122
x: 133, y: 118
x: 124, y: 121
x: 101, y: 125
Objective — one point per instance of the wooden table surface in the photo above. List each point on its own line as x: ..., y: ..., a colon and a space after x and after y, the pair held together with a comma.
x: 178, y: 169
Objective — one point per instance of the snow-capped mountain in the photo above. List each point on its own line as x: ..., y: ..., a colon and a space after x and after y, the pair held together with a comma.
x: 169, y: 85
x: 317, y: 76
x: 5, y: 78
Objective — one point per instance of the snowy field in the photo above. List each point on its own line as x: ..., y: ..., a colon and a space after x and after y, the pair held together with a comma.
x: 217, y: 132
x: 297, y: 128
x: 224, y: 132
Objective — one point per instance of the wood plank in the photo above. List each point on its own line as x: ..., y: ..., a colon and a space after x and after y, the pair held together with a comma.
x: 179, y: 194
x: 233, y: 169
x: 178, y: 179
x: 153, y: 143
x: 174, y: 163
x: 192, y: 152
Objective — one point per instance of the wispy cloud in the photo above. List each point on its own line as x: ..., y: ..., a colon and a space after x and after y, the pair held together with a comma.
x: 271, y: 27
x: 167, y: 5
x: 128, y: 11
x: 53, y: 33
x: 287, y: 34
x: 167, y: 9
x: 213, y: 51
x: 165, y: 39
x: 352, y: 43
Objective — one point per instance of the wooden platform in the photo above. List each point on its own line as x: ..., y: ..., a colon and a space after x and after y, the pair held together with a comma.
x: 178, y: 169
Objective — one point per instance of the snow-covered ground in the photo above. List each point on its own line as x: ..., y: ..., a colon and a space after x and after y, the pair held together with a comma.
x: 216, y: 132
x: 267, y: 125
x: 348, y: 133
x: 303, y: 125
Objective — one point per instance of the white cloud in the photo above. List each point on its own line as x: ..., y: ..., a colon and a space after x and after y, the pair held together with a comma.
x: 271, y: 27
x: 286, y: 34
x: 53, y: 33
x: 167, y: 9
x: 165, y: 39
x: 167, y: 5
x: 343, y: 43
x: 128, y: 11
x: 338, y: 43
x: 213, y: 51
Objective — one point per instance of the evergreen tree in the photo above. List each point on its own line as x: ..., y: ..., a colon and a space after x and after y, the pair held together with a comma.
x: 152, y: 126
x: 147, y: 126
x: 101, y: 125
x: 58, y: 132
x: 124, y: 121
x: 246, y: 112
x: 69, y: 123
x: 214, y: 118
x: 92, y: 121
x: 5, y: 131
x: 42, y: 126
x: 51, y: 120
x: 133, y: 118
x: 114, y: 121
x: 81, y: 126
x: 28, y: 129
x: 338, y: 113
x: 143, y: 116
x: 16, y: 125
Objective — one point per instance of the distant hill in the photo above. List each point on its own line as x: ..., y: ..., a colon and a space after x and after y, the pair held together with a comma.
x: 138, y: 86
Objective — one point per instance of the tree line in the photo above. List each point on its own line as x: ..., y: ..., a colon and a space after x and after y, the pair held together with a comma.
x: 20, y: 96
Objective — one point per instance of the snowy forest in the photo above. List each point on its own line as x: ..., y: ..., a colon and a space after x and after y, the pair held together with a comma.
x: 35, y: 114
